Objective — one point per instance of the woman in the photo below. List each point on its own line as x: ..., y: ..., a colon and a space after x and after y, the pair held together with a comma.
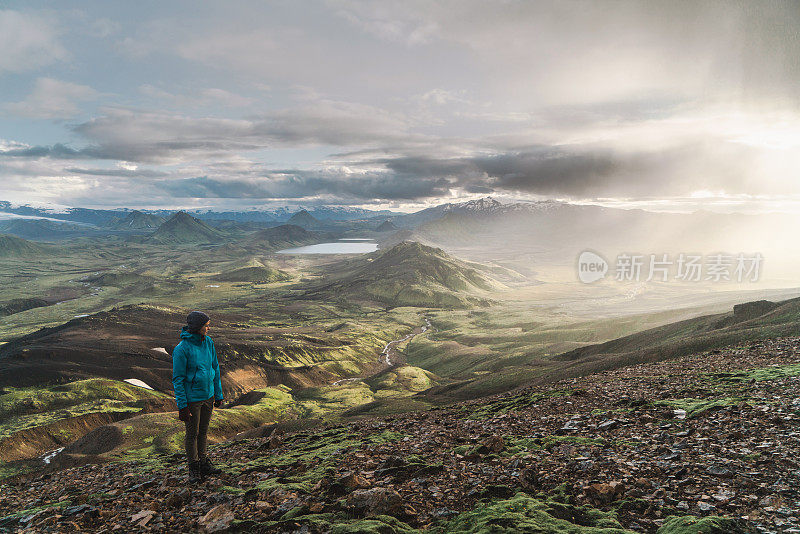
x: 198, y: 389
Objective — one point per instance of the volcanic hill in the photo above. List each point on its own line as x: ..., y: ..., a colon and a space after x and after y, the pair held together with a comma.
x: 409, y: 274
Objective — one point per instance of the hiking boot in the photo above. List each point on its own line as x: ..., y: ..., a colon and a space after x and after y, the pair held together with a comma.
x: 195, y: 473
x: 207, y: 468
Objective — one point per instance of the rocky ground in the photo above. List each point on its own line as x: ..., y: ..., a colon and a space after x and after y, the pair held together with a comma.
x: 664, y: 447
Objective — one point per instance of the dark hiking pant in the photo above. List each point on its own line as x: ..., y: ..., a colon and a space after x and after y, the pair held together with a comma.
x: 197, y: 429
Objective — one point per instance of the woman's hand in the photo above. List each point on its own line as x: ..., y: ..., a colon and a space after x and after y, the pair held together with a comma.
x: 184, y: 414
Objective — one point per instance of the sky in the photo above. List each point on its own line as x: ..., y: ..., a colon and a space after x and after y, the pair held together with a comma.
x: 673, y: 105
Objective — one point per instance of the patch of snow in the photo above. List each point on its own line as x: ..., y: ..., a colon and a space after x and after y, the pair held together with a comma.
x: 162, y: 350
x: 81, y: 315
x: 136, y: 382
x: 212, y: 285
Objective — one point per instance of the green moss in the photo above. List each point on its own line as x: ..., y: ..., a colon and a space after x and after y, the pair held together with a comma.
x: 760, y: 374
x: 512, y: 403
x: 9, y: 469
x: 516, y: 445
x: 381, y: 524
x: 387, y: 436
x: 707, y: 525
x: 330, y: 523
x: 316, y: 402
x: 695, y: 407
x: 310, y: 458
x: 30, y: 511
x: 523, y: 513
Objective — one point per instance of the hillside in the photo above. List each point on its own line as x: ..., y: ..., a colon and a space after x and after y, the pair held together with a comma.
x: 386, y: 226
x: 135, y: 342
x: 43, y: 230
x: 747, y: 321
x: 257, y: 274
x: 303, y: 219
x: 409, y: 274
x: 183, y: 229
x: 136, y: 220
x: 481, y: 206
x: 655, y: 448
x: 284, y: 236
x: 16, y: 247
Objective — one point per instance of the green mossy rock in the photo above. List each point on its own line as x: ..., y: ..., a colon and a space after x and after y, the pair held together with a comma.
x: 690, y: 524
x: 523, y: 513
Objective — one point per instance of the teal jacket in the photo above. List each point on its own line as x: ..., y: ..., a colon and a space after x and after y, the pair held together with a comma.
x: 195, y: 369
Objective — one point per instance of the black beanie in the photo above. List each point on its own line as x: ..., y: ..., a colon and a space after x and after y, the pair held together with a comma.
x: 196, y: 320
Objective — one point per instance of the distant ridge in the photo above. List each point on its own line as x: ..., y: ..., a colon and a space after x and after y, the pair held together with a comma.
x: 746, y: 322
x: 182, y: 228
x: 41, y: 229
x: 16, y: 247
x: 285, y: 236
x: 136, y: 220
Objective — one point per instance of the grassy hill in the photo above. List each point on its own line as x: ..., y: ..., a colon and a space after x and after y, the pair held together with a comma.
x: 43, y: 230
x: 748, y: 321
x: 182, y: 229
x: 140, y: 285
x: 15, y: 247
x: 285, y: 236
x: 409, y: 274
x: 257, y: 274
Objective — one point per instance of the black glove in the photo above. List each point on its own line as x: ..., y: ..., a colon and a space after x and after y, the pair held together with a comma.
x: 217, y: 403
x: 184, y: 414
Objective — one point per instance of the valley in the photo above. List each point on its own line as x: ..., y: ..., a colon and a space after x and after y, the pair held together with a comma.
x: 432, y: 322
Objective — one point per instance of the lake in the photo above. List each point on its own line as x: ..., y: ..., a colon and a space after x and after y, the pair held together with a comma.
x: 344, y: 246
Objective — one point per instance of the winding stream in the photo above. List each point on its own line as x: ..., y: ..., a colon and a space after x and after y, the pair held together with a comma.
x: 385, y: 357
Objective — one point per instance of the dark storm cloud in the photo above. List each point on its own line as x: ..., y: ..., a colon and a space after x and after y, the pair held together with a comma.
x: 543, y: 170
x: 140, y: 151
x: 57, y: 151
x: 300, y: 184
x: 583, y: 171
x: 143, y: 136
x: 539, y: 170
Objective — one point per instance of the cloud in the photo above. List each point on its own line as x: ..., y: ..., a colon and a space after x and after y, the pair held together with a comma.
x: 592, y: 170
x: 387, y: 23
x: 57, y: 151
x: 336, y: 183
x: 206, y: 97
x: 142, y: 136
x: 550, y: 53
x: 28, y: 41
x: 419, y: 100
x: 125, y: 172
x: 52, y: 99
